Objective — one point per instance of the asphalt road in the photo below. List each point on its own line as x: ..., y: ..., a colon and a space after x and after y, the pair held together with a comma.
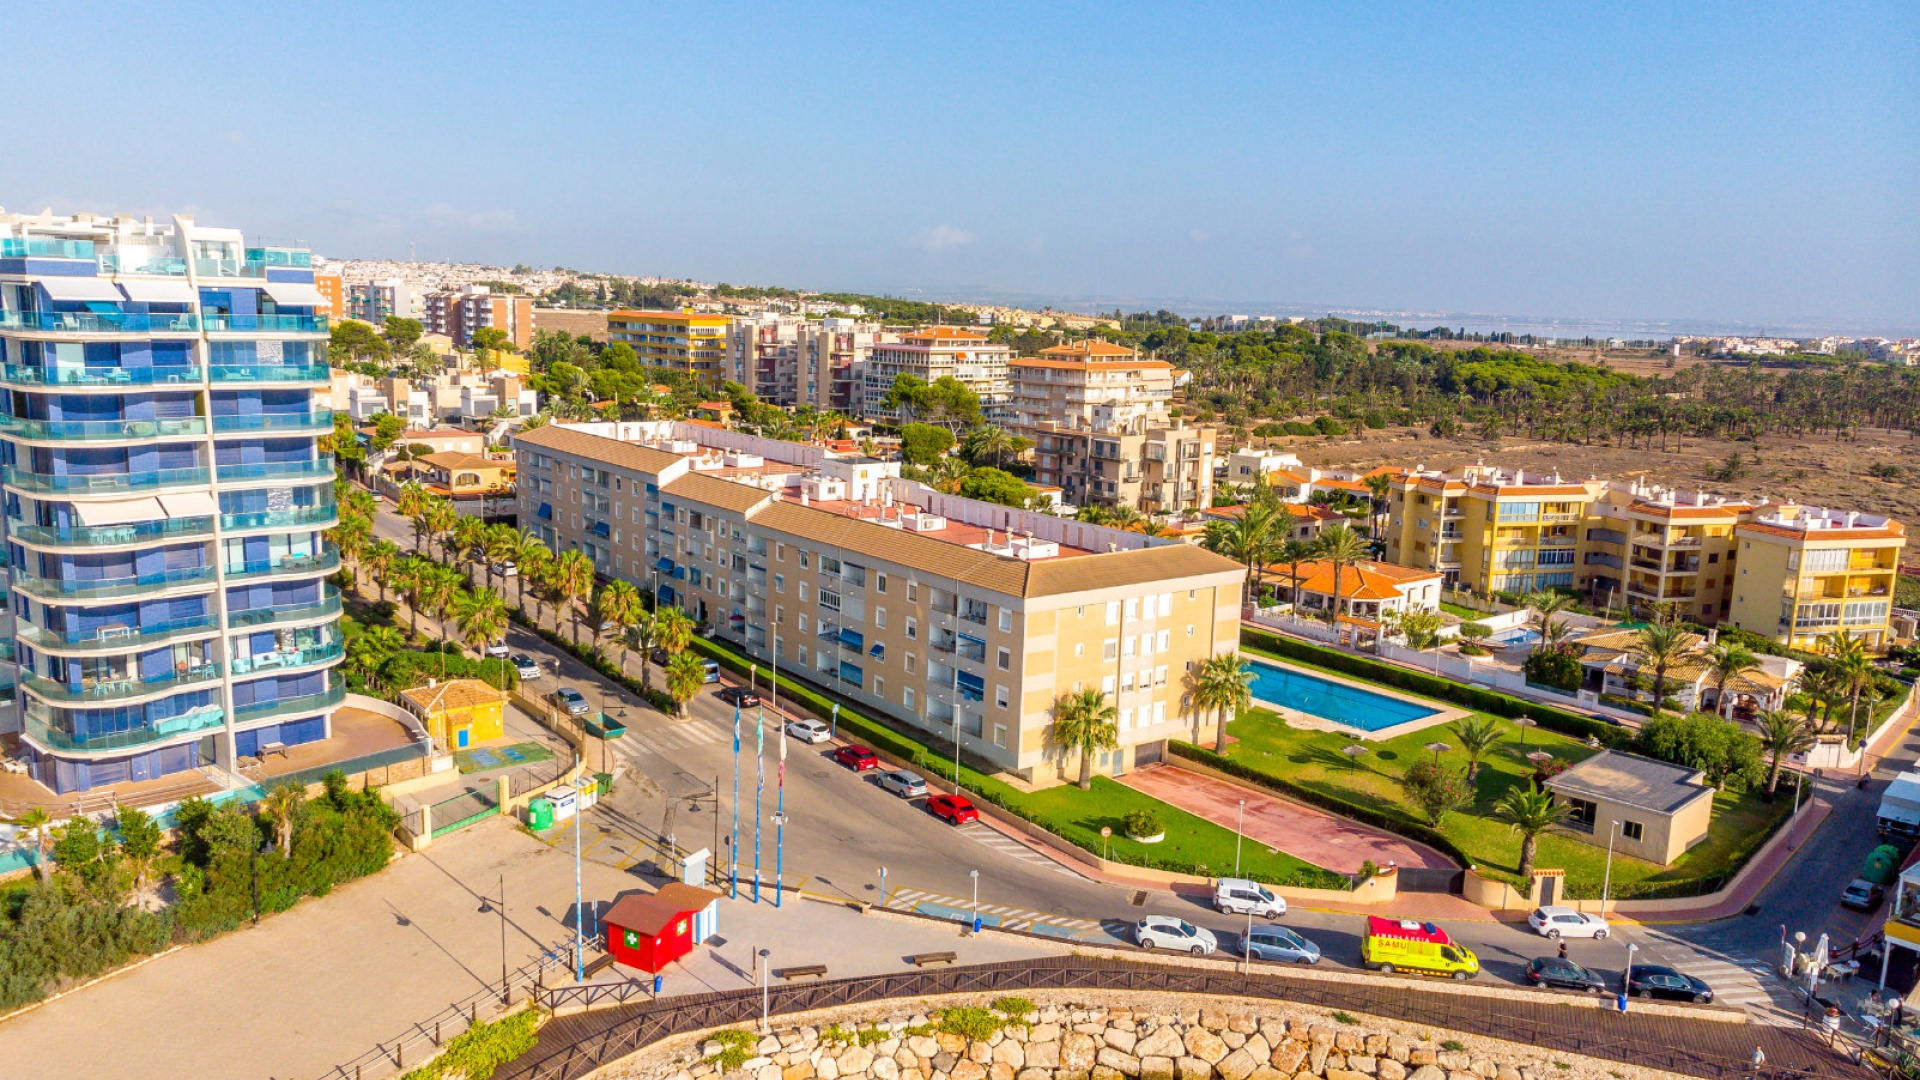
x: 843, y: 829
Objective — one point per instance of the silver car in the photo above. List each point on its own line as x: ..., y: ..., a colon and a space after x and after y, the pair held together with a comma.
x: 1279, y: 943
x: 904, y: 784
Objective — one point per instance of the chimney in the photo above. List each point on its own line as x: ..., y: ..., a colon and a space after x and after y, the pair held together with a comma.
x: 804, y: 499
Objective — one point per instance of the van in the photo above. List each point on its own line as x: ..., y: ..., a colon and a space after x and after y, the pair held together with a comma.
x: 1238, y: 896
x: 1405, y: 945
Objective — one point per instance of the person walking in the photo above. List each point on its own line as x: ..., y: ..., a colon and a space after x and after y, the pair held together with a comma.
x: 1563, y: 948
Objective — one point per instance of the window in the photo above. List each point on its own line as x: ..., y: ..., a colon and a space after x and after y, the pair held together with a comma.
x: 1126, y: 719
x: 780, y: 583
x: 1080, y: 650
x: 1006, y: 621
x: 1000, y: 735
x: 1164, y: 640
x: 880, y: 617
x: 805, y: 560
x: 912, y: 662
x: 779, y: 616
x: 1632, y: 830
x: 880, y: 583
x: 879, y: 687
x: 803, y: 622
x: 906, y: 697
x: 802, y: 586
x: 1133, y: 608
x: 1113, y: 612
x: 1126, y: 647
x: 1004, y: 660
x: 1110, y: 649
x: 803, y: 656
x: 913, y: 628
x: 1106, y: 684
x: 1000, y: 697
x: 913, y: 592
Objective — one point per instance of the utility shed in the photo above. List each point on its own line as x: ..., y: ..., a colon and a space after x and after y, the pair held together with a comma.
x: 651, y: 930
x: 1649, y: 809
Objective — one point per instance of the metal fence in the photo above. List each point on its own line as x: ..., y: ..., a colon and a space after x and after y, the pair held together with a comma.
x: 573, y: 1046
x: 462, y: 810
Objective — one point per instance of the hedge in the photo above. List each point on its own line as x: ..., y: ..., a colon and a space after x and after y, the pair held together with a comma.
x: 1476, y: 698
x: 1366, y: 815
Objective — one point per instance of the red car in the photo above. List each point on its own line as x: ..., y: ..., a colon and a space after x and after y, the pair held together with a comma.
x: 857, y: 758
x: 953, y: 809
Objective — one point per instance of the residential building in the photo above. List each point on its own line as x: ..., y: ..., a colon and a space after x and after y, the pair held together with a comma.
x: 1806, y: 572
x: 680, y: 340
x: 334, y: 289
x: 373, y: 301
x: 459, y: 314
x: 964, y: 620
x: 442, y: 440
x: 1611, y: 666
x: 790, y: 360
x: 1367, y: 589
x: 1304, y: 522
x: 467, y: 476
x: 166, y: 497
x: 1490, y: 530
x: 933, y: 353
x: 1634, y: 805
x: 1248, y: 466
x: 1090, y: 384
x: 458, y: 713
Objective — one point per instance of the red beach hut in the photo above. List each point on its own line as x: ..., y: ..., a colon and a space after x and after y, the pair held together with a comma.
x: 651, y: 930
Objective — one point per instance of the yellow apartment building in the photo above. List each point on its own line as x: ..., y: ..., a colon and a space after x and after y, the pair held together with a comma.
x: 960, y: 618
x: 1488, y: 529
x: 1806, y: 572
x: 681, y: 340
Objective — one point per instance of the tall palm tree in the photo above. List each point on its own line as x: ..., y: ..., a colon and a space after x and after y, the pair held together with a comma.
x: 411, y: 505
x: 685, y: 674
x: 621, y: 605
x: 352, y: 538
x: 410, y: 579
x: 1727, y: 660
x: 279, y: 807
x: 1342, y: 547
x: 467, y: 535
x: 1247, y: 539
x: 500, y: 543
x: 1816, y: 684
x: 441, y: 518
x: 1545, y: 606
x: 372, y: 648
x: 1222, y: 685
x: 1294, y: 551
x: 35, y: 821
x: 672, y: 630
x: 988, y: 444
x: 381, y: 558
x: 532, y: 564
x: 1782, y: 734
x: 1379, y: 486
x: 1662, y: 642
x: 1083, y: 723
x: 1853, y: 671
x: 1477, y: 735
x: 481, y: 616
x: 573, y: 577
x: 444, y: 586
x: 1529, y: 811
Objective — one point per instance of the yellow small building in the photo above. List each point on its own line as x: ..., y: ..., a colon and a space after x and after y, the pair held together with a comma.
x: 459, y: 712
x: 467, y: 476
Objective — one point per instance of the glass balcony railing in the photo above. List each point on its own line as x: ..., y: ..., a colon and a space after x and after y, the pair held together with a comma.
x: 281, y: 659
x: 101, y: 322
x: 265, y: 324
x: 44, y: 247
x: 101, y: 430
x: 261, y: 710
x: 117, y: 689
x: 286, y: 613
x: 101, y: 483
x: 318, y: 420
x: 270, y: 373
x: 93, y: 588
x: 300, y: 258
x: 100, y: 376
x: 316, y: 516
x: 116, y: 638
x: 159, y: 265
x: 320, y: 467
x: 110, y: 535
x: 326, y: 562
x: 204, y: 718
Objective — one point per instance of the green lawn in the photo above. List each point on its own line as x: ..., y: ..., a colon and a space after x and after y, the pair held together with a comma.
x: 1313, y: 760
x: 1466, y: 613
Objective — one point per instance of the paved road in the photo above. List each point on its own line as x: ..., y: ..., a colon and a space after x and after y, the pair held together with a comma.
x: 843, y: 829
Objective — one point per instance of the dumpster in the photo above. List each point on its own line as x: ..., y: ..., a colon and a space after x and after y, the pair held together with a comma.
x: 540, y: 814
x: 602, y: 782
x: 1883, y: 865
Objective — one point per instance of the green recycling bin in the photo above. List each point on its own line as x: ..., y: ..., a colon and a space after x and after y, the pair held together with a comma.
x: 540, y: 814
x: 603, y: 782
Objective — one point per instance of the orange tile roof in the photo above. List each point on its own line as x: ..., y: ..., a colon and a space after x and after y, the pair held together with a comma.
x: 662, y: 316
x: 1358, y: 581
x: 945, y: 333
x: 1089, y: 347
x: 1092, y: 365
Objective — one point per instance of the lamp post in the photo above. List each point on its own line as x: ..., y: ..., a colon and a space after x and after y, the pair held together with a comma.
x: 765, y: 971
x: 883, y: 886
x: 1626, y: 980
x: 488, y: 906
x: 975, y: 875
x: 1239, y: 823
x: 780, y: 818
x: 733, y: 845
x: 759, y: 789
x: 1606, y: 882
x: 579, y: 943
x: 833, y: 729
x: 956, y: 751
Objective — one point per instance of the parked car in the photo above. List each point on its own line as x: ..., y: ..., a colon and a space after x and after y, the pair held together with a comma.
x: 1167, y: 932
x: 953, y: 809
x: 571, y: 700
x: 1659, y: 981
x: 807, y: 731
x: 711, y: 667
x: 857, y: 758
x: 497, y: 650
x: 1282, y: 944
x: 1551, y: 971
x: 739, y: 696
x: 1392, y: 945
x: 904, y: 784
x: 1862, y: 895
x: 505, y: 569
x: 527, y: 666
x: 1556, y: 922
x: 1238, y: 896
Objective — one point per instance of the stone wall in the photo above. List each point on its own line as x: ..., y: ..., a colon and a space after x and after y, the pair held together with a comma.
x: 1110, y: 1036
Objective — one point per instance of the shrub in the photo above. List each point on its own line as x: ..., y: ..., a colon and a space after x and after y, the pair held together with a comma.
x: 1468, y: 648
x: 1142, y: 823
x: 970, y: 1023
x: 1436, y: 789
x: 1014, y: 1008
x: 736, y: 1047
x: 476, y: 1052
x: 1555, y: 666
x: 1475, y: 631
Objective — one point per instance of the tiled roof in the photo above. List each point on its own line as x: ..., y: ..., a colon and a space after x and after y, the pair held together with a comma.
x: 713, y: 491
x: 1054, y: 577
x: 925, y: 553
x: 1089, y: 347
x: 454, y: 459
x: 1358, y: 581
x: 452, y: 694
x: 624, y: 455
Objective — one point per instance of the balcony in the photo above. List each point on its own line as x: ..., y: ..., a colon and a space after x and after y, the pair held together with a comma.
x: 110, y: 535
x: 95, y: 690
x: 116, y: 638
x: 101, y: 483
x: 306, y: 516
x: 286, y: 613
x: 269, y: 373
x: 44, y: 247
x: 283, y: 659
x: 319, y: 420
x: 264, y: 324
x: 205, y: 718
x: 102, y: 588
x: 326, y: 562
x: 163, y: 266
x: 24, y: 375
x: 100, y: 322
x: 320, y: 468
x: 262, y: 710
x: 101, y: 430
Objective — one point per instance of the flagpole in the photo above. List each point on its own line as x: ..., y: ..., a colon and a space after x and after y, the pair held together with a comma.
x: 780, y: 817
x: 733, y: 847
x: 759, y: 790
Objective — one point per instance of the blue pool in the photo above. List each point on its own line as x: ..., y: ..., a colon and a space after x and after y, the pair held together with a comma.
x: 1338, y: 702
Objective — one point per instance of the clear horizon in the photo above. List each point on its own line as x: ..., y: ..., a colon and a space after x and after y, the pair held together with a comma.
x: 1741, y: 166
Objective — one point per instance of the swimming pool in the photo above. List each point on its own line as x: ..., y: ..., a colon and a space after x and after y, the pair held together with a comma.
x: 1329, y: 700
x: 1519, y: 635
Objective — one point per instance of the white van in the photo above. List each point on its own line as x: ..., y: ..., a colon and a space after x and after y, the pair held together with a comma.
x: 1238, y: 896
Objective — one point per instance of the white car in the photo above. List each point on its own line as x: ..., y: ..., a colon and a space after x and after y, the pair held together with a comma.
x: 808, y: 731
x: 1557, y: 922
x: 497, y: 650
x: 505, y: 569
x: 1167, y: 932
x: 1238, y: 896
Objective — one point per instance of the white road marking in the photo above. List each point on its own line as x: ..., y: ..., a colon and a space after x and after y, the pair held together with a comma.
x: 907, y: 899
x: 1006, y: 845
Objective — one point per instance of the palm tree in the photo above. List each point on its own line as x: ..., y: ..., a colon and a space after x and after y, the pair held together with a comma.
x: 1545, y: 606
x: 467, y: 535
x: 1122, y: 516
x: 573, y: 578
x: 1247, y: 539
x: 621, y: 605
x: 412, y: 505
x: 1782, y: 734
x: 410, y: 580
x: 1852, y: 670
x: 1477, y: 735
x: 381, y: 558
x: 1379, y: 485
x: 481, y: 616
x: 988, y: 444
x: 685, y: 674
x: 372, y: 648
x: 279, y: 807
x: 672, y: 630
x: 1294, y: 551
x: 946, y: 474
x: 645, y: 636
x: 1529, y: 811
x: 1342, y: 547
x: 1727, y: 660
x: 441, y: 518
x: 532, y: 564
x: 1816, y: 686
x: 1221, y: 685
x: 1083, y: 723
x: 1662, y: 642
x: 35, y: 821
x: 433, y: 587
x: 500, y: 543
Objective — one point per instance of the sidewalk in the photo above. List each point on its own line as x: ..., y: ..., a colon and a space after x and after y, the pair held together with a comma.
x: 1748, y: 883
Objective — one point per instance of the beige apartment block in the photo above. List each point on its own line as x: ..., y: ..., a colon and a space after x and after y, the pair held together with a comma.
x: 933, y: 353
x: 962, y: 619
x: 1806, y: 572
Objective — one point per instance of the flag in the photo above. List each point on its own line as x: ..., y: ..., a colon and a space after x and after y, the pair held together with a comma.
x: 736, y: 731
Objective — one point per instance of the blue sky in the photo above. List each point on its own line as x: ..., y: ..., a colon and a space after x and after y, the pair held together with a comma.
x: 1739, y: 161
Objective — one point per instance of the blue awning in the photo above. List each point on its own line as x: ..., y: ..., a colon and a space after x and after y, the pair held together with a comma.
x: 545, y: 512
x: 851, y: 673
x: 680, y: 572
x: 852, y: 639
x: 600, y: 528
x: 665, y: 566
x: 878, y: 652
x: 967, y: 680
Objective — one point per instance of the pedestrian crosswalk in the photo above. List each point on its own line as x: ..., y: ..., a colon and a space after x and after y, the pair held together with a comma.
x: 1740, y: 981
x: 667, y: 740
x: 1006, y: 845
x: 961, y: 909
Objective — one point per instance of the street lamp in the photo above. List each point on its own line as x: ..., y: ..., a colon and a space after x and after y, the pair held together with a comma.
x: 1606, y: 882
x: 975, y: 875
x: 1239, y: 822
x: 487, y: 907
x: 1626, y: 980
x: 956, y: 751
x: 764, y: 973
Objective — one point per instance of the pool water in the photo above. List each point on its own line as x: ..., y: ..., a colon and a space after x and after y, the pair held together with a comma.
x: 1519, y: 635
x: 1329, y: 700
